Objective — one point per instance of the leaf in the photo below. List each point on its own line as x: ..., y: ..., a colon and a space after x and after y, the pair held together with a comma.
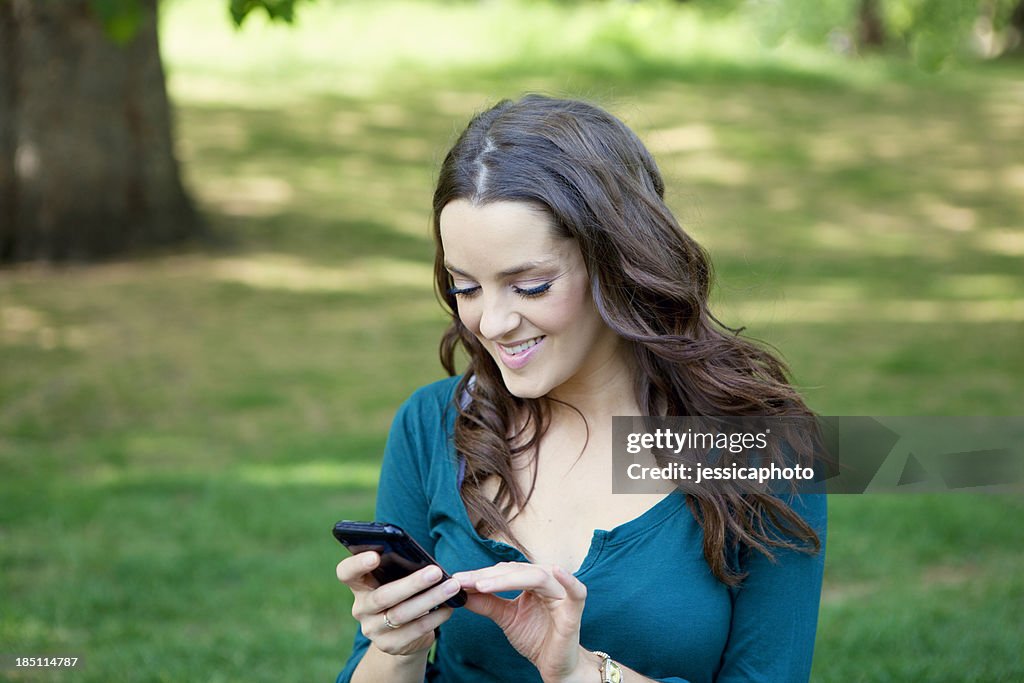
x: 121, y: 19
x: 277, y: 10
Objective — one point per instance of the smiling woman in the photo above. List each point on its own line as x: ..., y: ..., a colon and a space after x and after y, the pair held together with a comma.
x: 577, y: 297
x: 528, y: 299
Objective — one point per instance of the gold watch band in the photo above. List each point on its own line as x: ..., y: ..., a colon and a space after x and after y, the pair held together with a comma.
x: 610, y: 671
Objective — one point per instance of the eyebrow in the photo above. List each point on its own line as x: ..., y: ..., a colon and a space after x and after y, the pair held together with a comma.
x: 508, y: 272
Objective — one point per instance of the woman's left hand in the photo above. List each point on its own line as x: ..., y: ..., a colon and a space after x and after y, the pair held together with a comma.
x: 543, y: 622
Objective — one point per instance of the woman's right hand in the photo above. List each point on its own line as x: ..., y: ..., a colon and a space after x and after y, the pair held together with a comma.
x: 399, y: 603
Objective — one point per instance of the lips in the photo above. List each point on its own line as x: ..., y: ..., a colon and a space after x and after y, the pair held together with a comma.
x: 515, y: 356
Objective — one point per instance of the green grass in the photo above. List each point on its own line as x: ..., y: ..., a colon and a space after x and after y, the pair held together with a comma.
x: 178, y: 432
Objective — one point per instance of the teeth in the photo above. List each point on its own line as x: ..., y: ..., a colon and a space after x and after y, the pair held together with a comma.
x: 519, y: 348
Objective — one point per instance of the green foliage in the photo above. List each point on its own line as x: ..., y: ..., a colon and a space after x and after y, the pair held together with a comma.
x: 808, y: 20
x: 121, y: 19
x: 1002, y: 12
x: 277, y: 10
x: 933, y: 32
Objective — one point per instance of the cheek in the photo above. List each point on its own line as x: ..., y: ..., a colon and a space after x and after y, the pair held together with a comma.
x: 469, y: 316
x: 570, y: 311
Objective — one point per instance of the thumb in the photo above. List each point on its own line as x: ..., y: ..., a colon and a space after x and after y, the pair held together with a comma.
x: 490, y: 606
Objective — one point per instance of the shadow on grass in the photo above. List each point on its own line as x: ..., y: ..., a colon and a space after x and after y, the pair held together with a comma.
x: 909, y: 174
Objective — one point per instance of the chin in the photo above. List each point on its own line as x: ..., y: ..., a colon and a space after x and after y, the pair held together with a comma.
x: 523, y: 388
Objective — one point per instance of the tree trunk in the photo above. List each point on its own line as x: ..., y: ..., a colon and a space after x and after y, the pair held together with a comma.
x: 1017, y: 26
x: 870, y: 27
x: 87, y: 166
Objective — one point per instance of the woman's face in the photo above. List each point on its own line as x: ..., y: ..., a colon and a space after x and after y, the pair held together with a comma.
x: 525, y: 294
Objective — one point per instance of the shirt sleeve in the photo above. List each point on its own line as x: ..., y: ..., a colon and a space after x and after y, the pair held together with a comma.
x: 401, y: 496
x: 775, y: 609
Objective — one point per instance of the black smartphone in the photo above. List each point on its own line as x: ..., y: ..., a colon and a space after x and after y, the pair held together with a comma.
x: 400, y: 554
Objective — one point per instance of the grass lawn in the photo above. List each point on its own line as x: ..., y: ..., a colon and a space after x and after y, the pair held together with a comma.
x: 179, y: 432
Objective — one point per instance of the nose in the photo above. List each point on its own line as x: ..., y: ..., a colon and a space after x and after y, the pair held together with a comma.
x: 498, y: 317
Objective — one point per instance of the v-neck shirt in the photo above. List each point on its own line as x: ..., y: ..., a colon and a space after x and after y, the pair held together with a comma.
x: 652, y: 602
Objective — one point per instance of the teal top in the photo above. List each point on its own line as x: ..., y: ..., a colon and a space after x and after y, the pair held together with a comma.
x: 652, y: 601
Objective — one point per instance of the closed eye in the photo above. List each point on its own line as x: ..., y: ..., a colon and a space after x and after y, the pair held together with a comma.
x: 532, y: 291
x: 464, y: 291
x: 525, y: 292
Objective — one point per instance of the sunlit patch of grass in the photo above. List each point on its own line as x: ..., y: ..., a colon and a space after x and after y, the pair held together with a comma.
x: 359, y: 48
x: 268, y: 271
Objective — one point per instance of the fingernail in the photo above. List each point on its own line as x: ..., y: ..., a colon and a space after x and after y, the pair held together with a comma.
x: 432, y: 574
x: 451, y: 587
x: 369, y: 560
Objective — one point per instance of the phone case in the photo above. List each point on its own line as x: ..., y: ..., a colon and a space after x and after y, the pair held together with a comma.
x: 400, y: 554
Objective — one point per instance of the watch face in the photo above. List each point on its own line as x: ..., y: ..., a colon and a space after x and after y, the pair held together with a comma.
x: 610, y: 672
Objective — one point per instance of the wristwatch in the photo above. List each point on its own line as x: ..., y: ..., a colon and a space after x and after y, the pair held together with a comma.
x: 610, y: 671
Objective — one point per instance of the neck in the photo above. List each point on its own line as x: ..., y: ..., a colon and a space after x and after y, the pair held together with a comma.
x: 602, y: 391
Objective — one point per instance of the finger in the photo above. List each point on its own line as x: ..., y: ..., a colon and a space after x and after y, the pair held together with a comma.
x: 468, y: 579
x: 397, y: 640
x: 419, y: 605
x: 491, y: 606
x: 471, y: 578
x: 575, y: 588
x: 528, y: 577
x: 572, y: 606
x: 355, y: 571
x: 390, y: 594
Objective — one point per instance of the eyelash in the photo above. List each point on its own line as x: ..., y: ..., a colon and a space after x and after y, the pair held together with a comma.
x: 527, y: 293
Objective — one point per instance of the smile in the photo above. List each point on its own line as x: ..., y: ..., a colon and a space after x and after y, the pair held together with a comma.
x: 518, y: 355
x: 520, y: 347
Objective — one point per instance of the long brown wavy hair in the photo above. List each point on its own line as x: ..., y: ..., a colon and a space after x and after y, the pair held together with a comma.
x: 650, y: 282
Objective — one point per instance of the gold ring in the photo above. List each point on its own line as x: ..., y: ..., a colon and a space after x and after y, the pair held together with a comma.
x: 387, y: 622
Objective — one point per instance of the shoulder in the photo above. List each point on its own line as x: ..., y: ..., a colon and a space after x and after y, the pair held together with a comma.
x: 436, y: 396
x: 422, y: 427
x: 812, y: 508
x: 431, y: 406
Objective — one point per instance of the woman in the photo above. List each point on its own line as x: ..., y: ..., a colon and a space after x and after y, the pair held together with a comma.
x: 576, y: 297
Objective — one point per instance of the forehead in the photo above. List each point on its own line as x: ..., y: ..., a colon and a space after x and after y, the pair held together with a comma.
x: 494, y: 236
